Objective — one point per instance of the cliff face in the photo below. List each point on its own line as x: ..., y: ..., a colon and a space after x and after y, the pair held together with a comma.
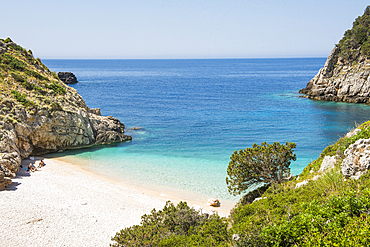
x: 40, y: 114
x: 341, y: 82
x: 345, y: 76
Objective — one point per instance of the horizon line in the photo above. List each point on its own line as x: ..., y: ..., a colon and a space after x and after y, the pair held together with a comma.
x: 222, y: 58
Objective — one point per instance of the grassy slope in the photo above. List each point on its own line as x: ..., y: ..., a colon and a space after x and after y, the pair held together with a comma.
x: 323, y: 211
x: 27, y: 82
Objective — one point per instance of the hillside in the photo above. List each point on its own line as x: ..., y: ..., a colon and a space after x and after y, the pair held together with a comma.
x: 40, y: 114
x: 345, y: 75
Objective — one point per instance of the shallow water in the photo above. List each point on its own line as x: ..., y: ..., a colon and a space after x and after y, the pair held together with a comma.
x: 195, y: 113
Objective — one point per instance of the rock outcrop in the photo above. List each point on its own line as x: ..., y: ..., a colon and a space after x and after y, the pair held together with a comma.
x: 40, y: 114
x: 67, y: 77
x: 341, y: 82
x: 357, y: 159
x: 345, y: 75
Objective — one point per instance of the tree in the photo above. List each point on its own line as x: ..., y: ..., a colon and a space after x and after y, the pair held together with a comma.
x: 260, y: 165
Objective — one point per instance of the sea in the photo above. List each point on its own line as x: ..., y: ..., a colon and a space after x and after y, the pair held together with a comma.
x: 187, y: 116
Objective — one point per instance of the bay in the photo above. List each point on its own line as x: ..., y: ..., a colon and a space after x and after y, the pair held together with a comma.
x: 195, y: 113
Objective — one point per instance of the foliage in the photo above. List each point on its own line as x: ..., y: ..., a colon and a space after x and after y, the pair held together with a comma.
x: 175, y: 226
x: 22, y: 98
x: 324, y: 223
x: 337, y: 148
x: 261, y: 164
x: 58, y: 89
x: 13, y: 62
x: 36, y: 75
x: 356, y: 41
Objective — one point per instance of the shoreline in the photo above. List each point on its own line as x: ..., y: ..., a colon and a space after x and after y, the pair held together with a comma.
x: 165, y: 193
x: 66, y: 205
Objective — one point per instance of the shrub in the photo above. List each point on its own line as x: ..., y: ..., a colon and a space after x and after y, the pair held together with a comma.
x: 174, y: 226
x: 324, y: 221
x: 58, y: 89
x: 36, y: 75
x: 22, y: 98
x: 7, y: 40
x: 261, y: 164
x: 13, y: 62
x: 355, y: 38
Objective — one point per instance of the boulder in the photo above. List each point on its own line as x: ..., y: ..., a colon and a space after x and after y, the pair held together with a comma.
x: 214, y: 202
x: 298, y: 185
x: 259, y: 198
x: 353, y: 133
x: 67, y: 77
x: 357, y: 159
x: 328, y: 163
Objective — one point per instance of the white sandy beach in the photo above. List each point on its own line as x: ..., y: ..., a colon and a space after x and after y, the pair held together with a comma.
x: 63, y: 205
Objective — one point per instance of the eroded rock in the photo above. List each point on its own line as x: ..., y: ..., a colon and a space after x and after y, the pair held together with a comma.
x: 328, y: 163
x: 357, y: 159
x: 339, y: 82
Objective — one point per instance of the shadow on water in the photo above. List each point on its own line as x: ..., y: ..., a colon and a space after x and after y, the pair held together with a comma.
x: 91, y: 149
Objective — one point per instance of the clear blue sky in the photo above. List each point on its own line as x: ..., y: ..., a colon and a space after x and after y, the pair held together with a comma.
x: 178, y: 29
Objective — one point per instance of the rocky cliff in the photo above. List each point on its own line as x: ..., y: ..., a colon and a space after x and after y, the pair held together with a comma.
x: 345, y: 75
x: 40, y: 114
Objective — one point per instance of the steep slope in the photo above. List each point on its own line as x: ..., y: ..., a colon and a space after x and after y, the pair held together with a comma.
x: 345, y: 76
x: 40, y: 114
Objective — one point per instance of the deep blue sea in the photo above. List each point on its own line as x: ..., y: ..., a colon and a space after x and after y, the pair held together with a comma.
x: 195, y: 113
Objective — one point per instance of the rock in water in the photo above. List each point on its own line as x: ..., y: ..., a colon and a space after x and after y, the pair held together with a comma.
x: 67, y: 77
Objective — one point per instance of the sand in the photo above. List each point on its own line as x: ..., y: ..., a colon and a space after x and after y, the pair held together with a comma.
x: 64, y: 205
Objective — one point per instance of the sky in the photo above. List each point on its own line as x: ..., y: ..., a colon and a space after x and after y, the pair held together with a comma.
x: 177, y: 29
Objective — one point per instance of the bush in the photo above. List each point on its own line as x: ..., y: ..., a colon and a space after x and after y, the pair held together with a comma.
x: 58, y: 89
x: 261, y: 164
x: 36, y: 75
x: 174, y: 226
x: 357, y: 37
x: 324, y: 221
x: 13, y: 62
x: 22, y: 98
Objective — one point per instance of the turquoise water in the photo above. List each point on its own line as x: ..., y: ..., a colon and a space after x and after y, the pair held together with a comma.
x: 195, y: 113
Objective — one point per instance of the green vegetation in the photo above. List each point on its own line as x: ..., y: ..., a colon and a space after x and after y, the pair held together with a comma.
x: 329, y: 211
x: 356, y: 41
x: 27, y: 80
x: 261, y: 164
x: 12, y: 62
x: 58, y: 89
x: 175, y: 226
x: 22, y: 98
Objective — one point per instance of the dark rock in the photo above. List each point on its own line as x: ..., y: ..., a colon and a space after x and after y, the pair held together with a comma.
x: 67, y: 77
